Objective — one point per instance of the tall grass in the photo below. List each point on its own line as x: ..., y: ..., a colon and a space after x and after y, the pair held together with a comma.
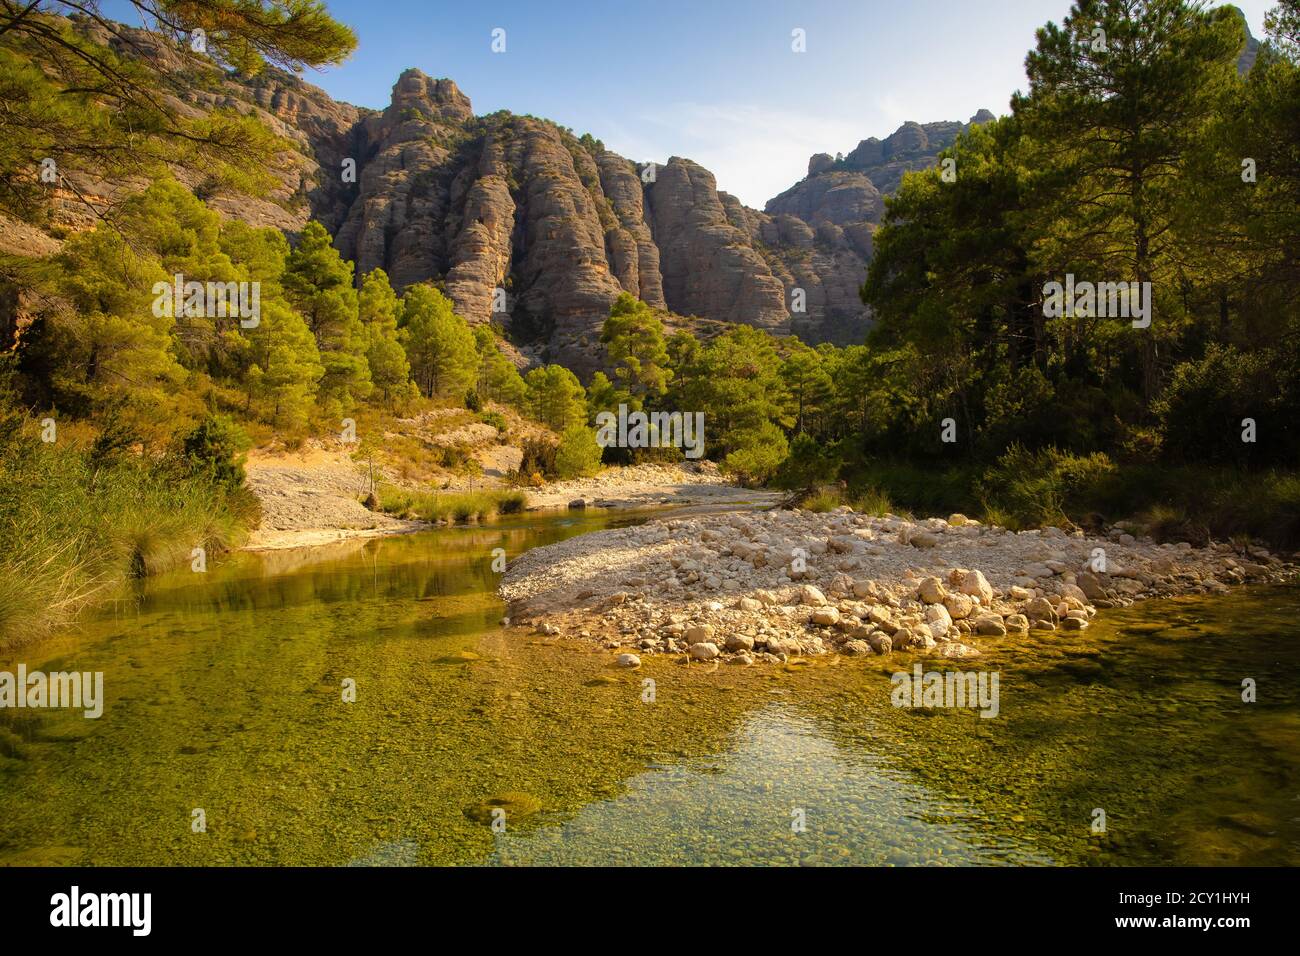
x: 461, y: 506
x: 76, y: 527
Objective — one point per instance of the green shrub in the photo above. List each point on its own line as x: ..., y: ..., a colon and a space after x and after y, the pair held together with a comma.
x: 807, y: 465
x: 828, y: 499
x: 578, y: 455
x: 456, y: 505
x: 1201, y: 410
x: 1032, y: 489
x: 873, y: 501
x: 537, y: 459
x: 756, y: 453
x: 215, y: 451
x: 495, y: 419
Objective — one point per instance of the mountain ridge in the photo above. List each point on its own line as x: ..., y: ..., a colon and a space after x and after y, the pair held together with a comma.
x: 559, y: 223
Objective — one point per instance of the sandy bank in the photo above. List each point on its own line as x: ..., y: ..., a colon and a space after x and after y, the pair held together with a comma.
x: 642, y: 486
x: 313, y: 496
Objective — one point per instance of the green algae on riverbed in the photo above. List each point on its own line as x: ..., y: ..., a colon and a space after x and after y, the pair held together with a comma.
x: 224, y: 693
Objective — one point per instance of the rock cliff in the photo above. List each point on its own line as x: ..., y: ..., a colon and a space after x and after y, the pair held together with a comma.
x: 526, y: 225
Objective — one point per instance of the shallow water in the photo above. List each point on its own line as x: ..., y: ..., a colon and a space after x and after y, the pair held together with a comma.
x: 224, y: 694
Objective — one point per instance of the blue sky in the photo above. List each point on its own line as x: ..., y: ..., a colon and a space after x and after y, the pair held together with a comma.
x: 712, y: 80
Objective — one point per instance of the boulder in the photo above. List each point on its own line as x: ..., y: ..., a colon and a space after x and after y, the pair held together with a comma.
x: 739, y: 642
x: 931, y: 590
x: 1073, y: 591
x: 958, y: 605
x: 975, y: 584
x: 811, y: 596
x: 937, y: 614
x: 881, y: 643
x: 825, y: 616
x: 698, y: 634
x: 1041, y: 609
x: 783, y: 645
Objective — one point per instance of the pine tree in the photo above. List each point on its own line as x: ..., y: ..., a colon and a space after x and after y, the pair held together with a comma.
x: 604, y: 396
x: 78, y: 102
x: 287, y: 367
x: 110, y: 347
x: 1119, y: 95
x: 808, y: 381
x: 318, y: 282
x: 634, y: 343
x: 556, y: 398
x: 379, y: 309
x: 498, y: 378
x: 438, y: 343
x: 171, y: 223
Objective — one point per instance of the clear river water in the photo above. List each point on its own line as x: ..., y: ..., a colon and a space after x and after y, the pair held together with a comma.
x: 224, y: 694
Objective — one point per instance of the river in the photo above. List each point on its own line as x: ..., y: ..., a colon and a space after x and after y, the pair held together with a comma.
x: 224, y: 694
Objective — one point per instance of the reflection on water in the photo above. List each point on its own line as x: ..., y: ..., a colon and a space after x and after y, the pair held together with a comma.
x: 224, y: 694
x: 782, y: 793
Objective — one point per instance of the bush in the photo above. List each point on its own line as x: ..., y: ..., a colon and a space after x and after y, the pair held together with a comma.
x: 215, y: 451
x: 873, y: 501
x: 495, y: 419
x: 1031, y: 489
x: 808, y: 465
x: 578, y: 455
x: 538, y: 459
x: 756, y: 453
x: 1202, y: 408
x: 77, y: 524
x: 907, y: 487
x: 828, y: 499
x: 459, y: 459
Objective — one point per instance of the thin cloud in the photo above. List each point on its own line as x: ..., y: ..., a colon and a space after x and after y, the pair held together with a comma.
x: 754, y: 153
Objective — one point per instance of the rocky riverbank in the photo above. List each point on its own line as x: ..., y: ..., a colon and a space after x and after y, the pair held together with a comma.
x: 768, y: 586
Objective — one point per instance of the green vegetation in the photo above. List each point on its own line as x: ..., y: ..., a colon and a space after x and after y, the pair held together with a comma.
x: 318, y: 283
x: 634, y: 344
x: 578, y: 454
x: 498, y: 378
x: 1025, y: 489
x: 450, y: 506
x: 441, y: 348
x: 379, y: 309
x: 79, y: 518
x: 80, y: 104
x: 555, y: 397
x: 1122, y: 163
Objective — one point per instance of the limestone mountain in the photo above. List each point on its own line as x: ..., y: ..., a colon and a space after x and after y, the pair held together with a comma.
x: 536, y: 229
x: 562, y: 225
